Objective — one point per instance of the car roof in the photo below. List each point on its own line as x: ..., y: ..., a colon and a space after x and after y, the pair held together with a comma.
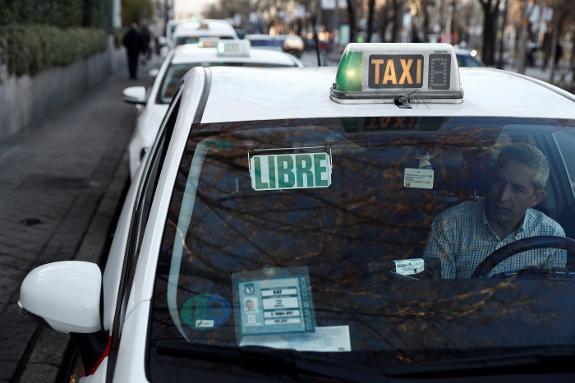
x: 191, y: 53
x: 205, y: 27
x: 262, y: 94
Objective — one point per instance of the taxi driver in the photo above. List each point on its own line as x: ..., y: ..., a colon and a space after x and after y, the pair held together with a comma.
x: 462, y: 236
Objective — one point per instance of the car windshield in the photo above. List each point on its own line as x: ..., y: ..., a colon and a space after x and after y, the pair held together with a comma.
x: 314, y: 235
x: 175, y: 73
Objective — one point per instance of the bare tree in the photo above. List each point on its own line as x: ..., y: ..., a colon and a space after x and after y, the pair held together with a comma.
x: 351, y: 20
x: 397, y: 7
x: 425, y: 13
x: 384, y: 18
x: 563, y: 15
x: 490, y: 10
x: 370, y: 11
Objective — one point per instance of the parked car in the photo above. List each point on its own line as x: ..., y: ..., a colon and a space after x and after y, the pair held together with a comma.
x: 155, y: 102
x: 293, y: 44
x: 192, y: 32
x: 263, y: 41
x: 280, y: 227
x: 467, y: 58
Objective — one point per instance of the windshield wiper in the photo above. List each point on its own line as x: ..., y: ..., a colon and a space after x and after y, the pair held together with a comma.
x: 541, y: 360
x: 286, y: 361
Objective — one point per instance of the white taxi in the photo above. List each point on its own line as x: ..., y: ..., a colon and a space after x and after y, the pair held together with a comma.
x: 398, y: 219
x: 208, y: 52
x: 190, y: 31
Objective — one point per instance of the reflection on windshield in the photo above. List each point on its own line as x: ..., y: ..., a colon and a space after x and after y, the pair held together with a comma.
x: 312, y: 235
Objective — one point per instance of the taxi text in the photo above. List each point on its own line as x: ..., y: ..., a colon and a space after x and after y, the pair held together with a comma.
x: 395, y: 71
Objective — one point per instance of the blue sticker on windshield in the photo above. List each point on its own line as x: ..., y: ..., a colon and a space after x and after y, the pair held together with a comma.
x: 206, y: 311
x: 273, y: 301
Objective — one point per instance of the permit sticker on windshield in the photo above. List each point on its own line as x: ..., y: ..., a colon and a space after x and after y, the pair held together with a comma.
x: 290, y: 171
x: 418, y: 178
x: 205, y: 311
x: 273, y: 301
x: 409, y: 266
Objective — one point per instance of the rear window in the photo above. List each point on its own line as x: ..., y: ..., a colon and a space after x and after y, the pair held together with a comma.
x: 308, y: 235
x: 468, y: 61
x: 181, y: 40
x: 276, y: 43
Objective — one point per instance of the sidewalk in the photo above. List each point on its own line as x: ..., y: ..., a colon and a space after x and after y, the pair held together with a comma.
x: 60, y: 185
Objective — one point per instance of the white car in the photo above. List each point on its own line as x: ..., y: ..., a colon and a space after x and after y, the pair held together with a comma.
x: 262, y: 41
x: 468, y: 58
x: 192, y: 32
x: 279, y: 230
x: 169, y: 76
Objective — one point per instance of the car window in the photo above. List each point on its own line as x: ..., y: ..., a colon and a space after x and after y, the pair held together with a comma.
x: 468, y: 61
x: 308, y: 235
x: 266, y: 43
x: 181, y: 40
x: 566, y: 143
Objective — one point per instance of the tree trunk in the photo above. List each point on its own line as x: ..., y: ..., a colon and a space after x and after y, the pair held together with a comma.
x: 500, y: 63
x: 370, y: 10
x: 396, y: 21
x: 384, y: 23
x: 522, y: 42
x: 554, y: 41
x: 351, y: 20
x: 425, y: 22
x: 488, y: 50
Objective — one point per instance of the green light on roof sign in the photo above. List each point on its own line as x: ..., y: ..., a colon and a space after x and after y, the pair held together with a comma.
x: 290, y: 171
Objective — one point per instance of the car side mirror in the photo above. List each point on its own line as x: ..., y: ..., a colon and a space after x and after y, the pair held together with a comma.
x: 135, y: 95
x: 66, y: 295
x: 153, y: 72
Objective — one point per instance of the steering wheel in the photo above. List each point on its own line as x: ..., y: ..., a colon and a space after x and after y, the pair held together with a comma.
x: 519, y: 246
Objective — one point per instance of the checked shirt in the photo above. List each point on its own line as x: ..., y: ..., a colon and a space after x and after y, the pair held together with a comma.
x: 461, y: 238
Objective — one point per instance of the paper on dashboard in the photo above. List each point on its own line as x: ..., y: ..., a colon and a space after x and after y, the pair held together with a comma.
x: 324, y: 339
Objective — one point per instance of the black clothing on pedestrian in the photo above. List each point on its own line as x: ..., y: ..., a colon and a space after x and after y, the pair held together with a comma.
x: 133, y: 42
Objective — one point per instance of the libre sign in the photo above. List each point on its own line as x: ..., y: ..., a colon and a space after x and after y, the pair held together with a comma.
x: 290, y: 171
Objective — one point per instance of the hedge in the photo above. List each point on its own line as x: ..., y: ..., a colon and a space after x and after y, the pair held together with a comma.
x: 29, y: 49
x: 60, y: 13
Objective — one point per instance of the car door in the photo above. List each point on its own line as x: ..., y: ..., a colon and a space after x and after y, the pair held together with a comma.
x: 120, y: 267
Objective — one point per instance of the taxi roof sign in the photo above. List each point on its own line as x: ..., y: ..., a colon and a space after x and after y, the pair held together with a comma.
x: 233, y: 48
x: 384, y: 73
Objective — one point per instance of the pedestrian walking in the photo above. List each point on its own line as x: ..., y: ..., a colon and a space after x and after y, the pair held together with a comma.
x: 133, y: 42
